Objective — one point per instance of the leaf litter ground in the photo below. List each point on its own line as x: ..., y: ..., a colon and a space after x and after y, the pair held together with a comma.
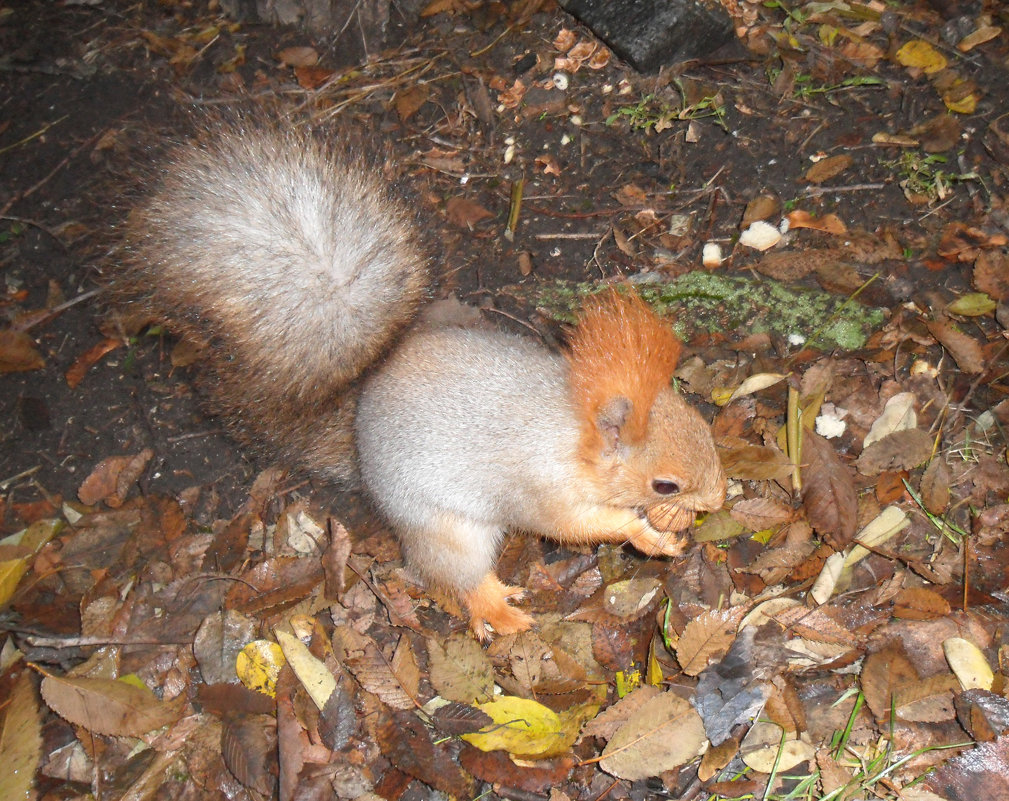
x: 837, y: 631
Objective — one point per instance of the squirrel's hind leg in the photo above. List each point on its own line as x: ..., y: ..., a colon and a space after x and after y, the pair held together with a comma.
x: 458, y: 554
x: 488, y: 604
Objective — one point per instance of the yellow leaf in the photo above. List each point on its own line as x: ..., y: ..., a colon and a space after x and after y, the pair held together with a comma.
x: 11, y: 572
x: 315, y: 677
x: 258, y: 665
x: 522, y: 727
x: 968, y: 663
x: 960, y: 105
x: 917, y: 53
x: 973, y: 304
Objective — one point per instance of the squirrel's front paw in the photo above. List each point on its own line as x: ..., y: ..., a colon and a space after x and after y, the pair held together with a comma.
x: 488, y: 605
x: 652, y: 542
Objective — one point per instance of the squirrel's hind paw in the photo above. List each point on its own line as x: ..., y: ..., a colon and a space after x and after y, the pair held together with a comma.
x: 488, y: 605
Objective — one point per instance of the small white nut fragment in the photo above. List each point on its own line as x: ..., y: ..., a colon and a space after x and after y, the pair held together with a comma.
x: 711, y: 255
x: 760, y: 236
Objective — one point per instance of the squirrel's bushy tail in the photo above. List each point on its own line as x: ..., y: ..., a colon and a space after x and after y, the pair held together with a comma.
x: 295, y: 266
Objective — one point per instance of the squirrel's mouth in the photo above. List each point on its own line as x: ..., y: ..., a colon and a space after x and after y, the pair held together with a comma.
x: 670, y: 517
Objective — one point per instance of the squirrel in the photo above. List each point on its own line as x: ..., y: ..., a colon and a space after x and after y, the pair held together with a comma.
x: 304, y: 276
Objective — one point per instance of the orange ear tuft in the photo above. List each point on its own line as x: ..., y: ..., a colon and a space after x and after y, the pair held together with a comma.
x: 620, y: 350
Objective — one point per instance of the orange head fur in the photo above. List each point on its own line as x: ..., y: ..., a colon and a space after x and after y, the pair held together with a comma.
x: 642, y: 446
x: 620, y: 350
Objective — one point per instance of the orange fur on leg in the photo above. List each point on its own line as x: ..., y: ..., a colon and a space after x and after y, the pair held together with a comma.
x: 488, y: 604
x: 619, y: 350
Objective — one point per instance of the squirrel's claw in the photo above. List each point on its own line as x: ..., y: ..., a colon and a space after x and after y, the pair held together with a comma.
x: 488, y: 606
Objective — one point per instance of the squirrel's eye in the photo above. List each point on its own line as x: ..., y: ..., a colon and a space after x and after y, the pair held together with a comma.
x: 665, y: 487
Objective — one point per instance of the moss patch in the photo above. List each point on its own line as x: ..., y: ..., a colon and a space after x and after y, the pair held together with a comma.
x: 736, y: 306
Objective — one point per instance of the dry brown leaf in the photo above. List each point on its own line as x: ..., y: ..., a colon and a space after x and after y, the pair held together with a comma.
x: 706, y: 637
x: 248, y: 747
x: 298, y: 56
x: 934, y: 486
x: 607, y: 722
x: 409, y: 100
x: 378, y: 675
x: 991, y: 274
x: 18, y: 352
x: 902, y: 450
x: 756, y: 463
x: 312, y: 77
x: 791, y: 266
x: 660, y: 736
x: 828, y: 168
x: 108, y: 706
x: 884, y: 673
x: 816, y: 625
x: 460, y: 670
x: 112, y: 478
x: 762, y: 207
x: 965, y: 350
x: 919, y: 603
x: 981, y: 772
x: 465, y: 212
x: 20, y: 739
x: 406, y: 742
x: 758, y: 514
x: 75, y: 374
x: 828, y: 492
x: 828, y: 223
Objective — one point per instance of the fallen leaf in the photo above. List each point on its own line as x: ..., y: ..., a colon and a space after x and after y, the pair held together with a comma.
x: 991, y: 274
x: 828, y: 493
x: 665, y: 733
x: 20, y: 740
x: 112, y: 478
x: 18, y: 353
x: 300, y: 56
x: 921, y: 54
x: 902, y: 450
x: 758, y: 514
x: 79, y: 369
x: 522, y: 727
x: 707, y: 636
x: 968, y: 664
x: 108, y: 706
x: 897, y: 415
x: 465, y: 212
x: 828, y: 223
x: 828, y: 168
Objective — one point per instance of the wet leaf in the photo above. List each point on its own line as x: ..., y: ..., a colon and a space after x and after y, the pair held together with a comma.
x: 828, y: 493
x: 903, y: 450
x: 248, y: 747
x: 108, y: 706
x: 965, y: 350
x: 20, y: 741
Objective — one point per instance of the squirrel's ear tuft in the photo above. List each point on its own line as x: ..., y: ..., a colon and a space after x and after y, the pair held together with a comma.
x: 620, y: 352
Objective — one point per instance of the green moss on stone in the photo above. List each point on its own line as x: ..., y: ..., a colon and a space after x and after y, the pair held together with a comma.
x: 701, y: 302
